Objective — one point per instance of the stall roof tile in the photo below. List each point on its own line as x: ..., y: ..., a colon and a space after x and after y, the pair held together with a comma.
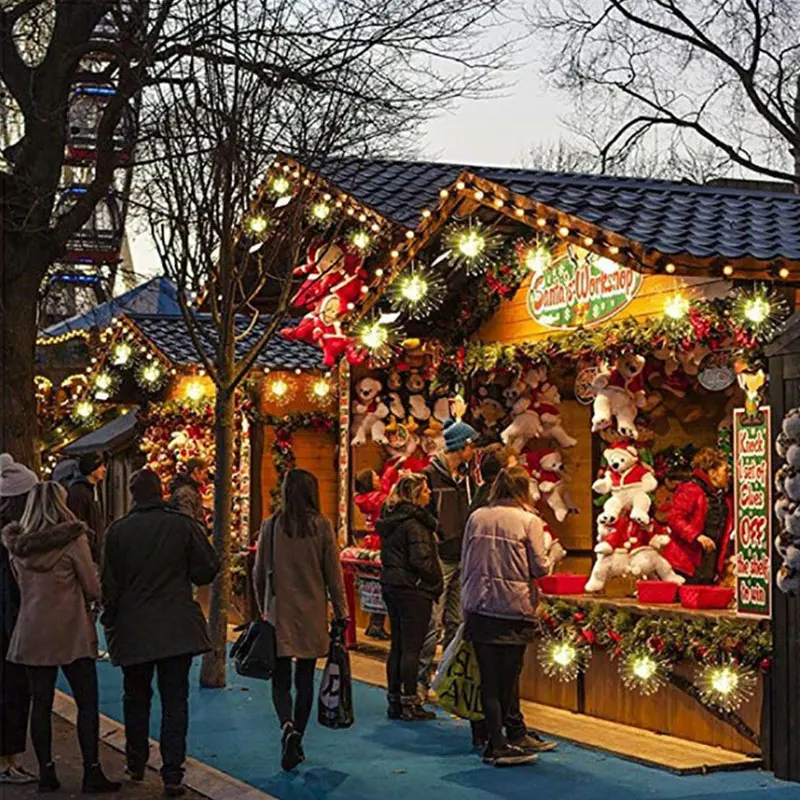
x: 666, y: 216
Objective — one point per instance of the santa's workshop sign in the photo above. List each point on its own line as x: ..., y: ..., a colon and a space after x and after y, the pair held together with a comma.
x: 752, y: 512
x: 579, y: 290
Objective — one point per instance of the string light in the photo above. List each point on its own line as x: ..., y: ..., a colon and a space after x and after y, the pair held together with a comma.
x: 677, y: 306
x: 783, y: 273
x: 562, y: 658
x: 725, y: 685
x: 644, y: 672
x: 727, y: 270
x: 670, y: 268
x: 417, y: 293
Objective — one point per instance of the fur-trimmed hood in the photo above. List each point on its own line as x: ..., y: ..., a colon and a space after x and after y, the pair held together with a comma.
x: 40, y: 550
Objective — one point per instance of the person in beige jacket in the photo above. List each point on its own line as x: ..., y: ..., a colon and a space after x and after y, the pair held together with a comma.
x: 296, y: 568
x: 52, y: 561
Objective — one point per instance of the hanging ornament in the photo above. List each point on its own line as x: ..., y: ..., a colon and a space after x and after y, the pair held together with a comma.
x: 280, y: 187
x: 259, y: 226
x: 151, y: 376
x: 104, y: 385
x: 279, y: 390
x: 418, y: 293
x: 321, y: 391
x: 726, y: 685
x: 676, y: 307
x: 563, y: 657
x: 121, y: 354
x: 644, y: 671
x: 362, y: 240
x: 379, y: 336
x: 534, y: 256
x: 472, y: 246
x: 320, y: 214
x: 84, y: 412
x: 759, y: 311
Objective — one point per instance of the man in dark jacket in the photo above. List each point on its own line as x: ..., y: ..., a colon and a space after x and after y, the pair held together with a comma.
x: 185, y: 490
x: 83, y: 499
x: 452, y: 490
x: 153, y: 555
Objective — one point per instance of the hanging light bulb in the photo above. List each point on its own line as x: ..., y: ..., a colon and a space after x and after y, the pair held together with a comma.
x: 677, y: 306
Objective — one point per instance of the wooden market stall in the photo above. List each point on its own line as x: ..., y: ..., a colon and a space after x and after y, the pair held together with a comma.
x: 493, y: 284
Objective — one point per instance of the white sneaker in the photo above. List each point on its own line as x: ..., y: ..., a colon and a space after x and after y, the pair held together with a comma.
x: 17, y: 775
x: 103, y: 655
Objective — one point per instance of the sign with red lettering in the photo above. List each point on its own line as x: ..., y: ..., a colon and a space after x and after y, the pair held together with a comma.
x: 752, y: 512
x: 580, y: 290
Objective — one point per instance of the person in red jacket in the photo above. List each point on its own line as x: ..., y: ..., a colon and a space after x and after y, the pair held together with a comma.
x: 371, y: 494
x: 701, y: 520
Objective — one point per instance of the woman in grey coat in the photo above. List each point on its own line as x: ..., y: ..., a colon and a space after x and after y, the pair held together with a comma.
x: 296, y: 568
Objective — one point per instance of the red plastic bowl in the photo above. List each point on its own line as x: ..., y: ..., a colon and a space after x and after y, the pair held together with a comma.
x: 563, y: 583
x: 656, y: 591
x: 705, y: 596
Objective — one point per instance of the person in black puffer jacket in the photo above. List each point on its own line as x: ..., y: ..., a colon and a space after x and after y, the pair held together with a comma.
x: 412, y: 582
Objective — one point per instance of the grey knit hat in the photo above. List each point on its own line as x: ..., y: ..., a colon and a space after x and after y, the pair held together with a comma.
x: 15, y: 479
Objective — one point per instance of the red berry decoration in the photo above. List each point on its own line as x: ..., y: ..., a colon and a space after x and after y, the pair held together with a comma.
x: 765, y: 664
x: 589, y: 635
x: 656, y: 645
x: 579, y: 616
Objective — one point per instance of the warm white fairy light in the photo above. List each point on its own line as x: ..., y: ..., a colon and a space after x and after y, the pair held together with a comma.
x: 257, y: 224
x: 83, y: 411
x: 562, y: 658
x: 281, y: 186
x: 726, y: 685
x: 361, y: 240
x: 677, y: 306
x: 151, y: 375
x: 756, y: 310
x: 644, y: 672
x: 320, y: 212
x: 121, y: 354
x: 194, y: 391
x: 417, y: 293
x: 374, y: 336
x: 537, y: 258
x: 471, y: 246
x: 321, y: 391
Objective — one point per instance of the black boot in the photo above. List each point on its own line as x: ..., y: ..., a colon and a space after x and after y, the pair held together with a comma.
x: 394, y: 709
x: 48, y: 780
x: 95, y: 781
x: 291, y: 748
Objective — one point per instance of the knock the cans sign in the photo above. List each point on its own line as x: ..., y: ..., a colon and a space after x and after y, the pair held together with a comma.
x: 753, y: 512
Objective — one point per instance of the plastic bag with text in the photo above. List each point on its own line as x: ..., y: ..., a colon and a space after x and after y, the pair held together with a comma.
x: 457, y: 682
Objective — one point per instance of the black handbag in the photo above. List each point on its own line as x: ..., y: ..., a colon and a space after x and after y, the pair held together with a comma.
x: 254, y: 653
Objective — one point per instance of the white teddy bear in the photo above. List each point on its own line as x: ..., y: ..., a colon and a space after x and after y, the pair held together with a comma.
x: 370, y: 412
x: 396, y: 407
x: 545, y: 400
x: 629, y: 482
x: 525, y: 423
x: 619, y: 393
x: 418, y: 407
x: 546, y: 468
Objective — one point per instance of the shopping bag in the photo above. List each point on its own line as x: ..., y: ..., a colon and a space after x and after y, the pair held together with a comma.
x: 335, y: 703
x: 253, y: 653
x: 457, y: 682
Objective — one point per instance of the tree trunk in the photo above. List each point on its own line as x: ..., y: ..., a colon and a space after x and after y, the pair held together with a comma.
x: 18, y: 425
x: 212, y: 672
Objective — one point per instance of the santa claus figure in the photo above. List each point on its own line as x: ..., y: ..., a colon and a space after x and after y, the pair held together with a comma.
x: 701, y: 520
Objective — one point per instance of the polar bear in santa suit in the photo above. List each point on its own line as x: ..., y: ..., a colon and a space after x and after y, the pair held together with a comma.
x: 629, y: 482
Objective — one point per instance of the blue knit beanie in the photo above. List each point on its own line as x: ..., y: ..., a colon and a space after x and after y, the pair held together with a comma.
x: 458, y: 435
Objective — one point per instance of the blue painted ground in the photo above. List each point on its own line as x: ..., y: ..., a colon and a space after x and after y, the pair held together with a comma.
x: 236, y: 731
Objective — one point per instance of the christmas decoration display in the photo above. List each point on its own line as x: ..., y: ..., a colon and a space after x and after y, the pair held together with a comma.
x: 726, y: 685
x: 545, y: 400
x: 619, y: 394
x: 151, y: 375
x: 417, y: 293
x: 104, y: 385
x: 525, y: 422
x: 644, y: 671
x: 369, y: 412
x: 629, y: 483
x: 546, y: 469
x: 472, y: 246
x: 563, y: 656
x: 787, y: 503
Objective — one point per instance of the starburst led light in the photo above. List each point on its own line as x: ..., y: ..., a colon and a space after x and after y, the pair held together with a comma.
x: 361, y: 240
x: 759, y: 310
x: 194, y: 391
x: 280, y: 186
x: 83, y: 412
x: 121, y: 354
x: 676, y: 307
x: 279, y: 390
x: 563, y: 658
x: 472, y: 246
x: 725, y: 685
x: 379, y: 336
x: 320, y: 212
x: 644, y: 672
x: 417, y: 293
x: 536, y: 257
x: 321, y: 391
x: 151, y: 375
x: 104, y: 385
x: 258, y: 224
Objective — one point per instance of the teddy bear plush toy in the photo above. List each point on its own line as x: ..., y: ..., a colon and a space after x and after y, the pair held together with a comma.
x: 525, y: 422
x: 370, y: 412
x: 546, y: 468
x: 629, y: 482
x: 553, y: 549
x: 619, y: 394
x: 545, y: 401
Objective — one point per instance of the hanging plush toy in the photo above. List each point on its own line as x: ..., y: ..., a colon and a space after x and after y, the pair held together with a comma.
x: 369, y: 412
x: 545, y: 401
x: 629, y: 483
x: 619, y: 393
x: 546, y: 468
x: 525, y: 423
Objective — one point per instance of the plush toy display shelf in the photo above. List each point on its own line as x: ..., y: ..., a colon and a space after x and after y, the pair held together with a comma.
x: 656, y: 592
x: 705, y: 596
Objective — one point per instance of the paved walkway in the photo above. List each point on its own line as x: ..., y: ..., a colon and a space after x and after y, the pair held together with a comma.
x: 235, y: 731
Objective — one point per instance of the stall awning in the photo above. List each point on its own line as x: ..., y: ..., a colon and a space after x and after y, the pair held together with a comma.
x: 111, y: 437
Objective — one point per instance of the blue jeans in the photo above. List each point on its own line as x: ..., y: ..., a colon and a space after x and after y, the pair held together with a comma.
x: 445, y: 619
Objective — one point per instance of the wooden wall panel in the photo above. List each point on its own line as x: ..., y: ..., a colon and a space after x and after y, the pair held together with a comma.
x: 538, y: 688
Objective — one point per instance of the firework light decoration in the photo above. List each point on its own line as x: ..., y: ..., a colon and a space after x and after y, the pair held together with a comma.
x: 320, y: 213
x: 84, y: 412
x: 759, y: 311
x: 726, y: 685
x: 151, y: 376
x: 121, y: 354
x: 321, y: 391
x: 280, y: 390
x: 418, y: 292
x: 472, y: 246
x: 379, y: 336
x: 644, y: 671
x: 536, y: 256
x: 104, y: 385
x: 362, y: 240
x: 563, y: 657
x: 280, y: 187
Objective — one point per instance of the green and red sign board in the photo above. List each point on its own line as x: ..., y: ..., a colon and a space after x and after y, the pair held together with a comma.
x: 582, y: 289
x: 752, y: 480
